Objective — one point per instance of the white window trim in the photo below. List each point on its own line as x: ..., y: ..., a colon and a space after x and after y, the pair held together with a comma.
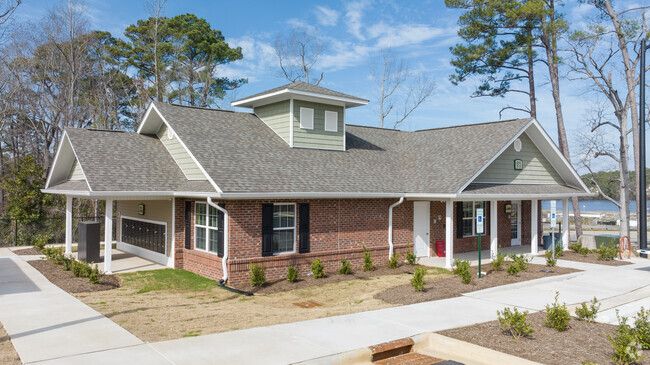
x: 207, y: 228
x: 295, y: 216
x: 334, y: 115
x: 473, y: 219
x: 303, y: 124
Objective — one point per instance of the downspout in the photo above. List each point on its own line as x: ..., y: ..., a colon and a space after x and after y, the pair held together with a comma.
x: 390, y: 226
x: 224, y: 259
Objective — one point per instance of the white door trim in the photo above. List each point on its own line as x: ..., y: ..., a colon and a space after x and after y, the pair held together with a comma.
x: 516, y: 204
x: 421, y: 227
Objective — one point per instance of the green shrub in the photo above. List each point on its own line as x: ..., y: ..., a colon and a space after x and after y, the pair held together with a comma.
x: 588, y: 313
x: 626, y: 348
x: 80, y: 269
x: 346, y: 267
x: 498, y: 260
x: 367, y: 260
x: 642, y: 328
x: 317, y: 269
x: 575, y: 246
x: 584, y: 251
x: 519, y: 263
x: 557, y: 316
x: 559, y: 249
x: 393, y: 262
x: 39, y: 241
x: 257, y: 274
x: 411, y: 258
x: 607, y: 253
x: 550, y: 261
x: 461, y: 268
x: 418, y: 278
x: 292, y: 274
x: 513, y: 269
x: 67, y: 263
x: 95, y: 276
x: 515, y: 322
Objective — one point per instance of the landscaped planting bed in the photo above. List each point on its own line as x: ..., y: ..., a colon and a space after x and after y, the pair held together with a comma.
x: 591, y: 258
x: 68, y: 282
x: 26, y: 251
x: 8, y: 355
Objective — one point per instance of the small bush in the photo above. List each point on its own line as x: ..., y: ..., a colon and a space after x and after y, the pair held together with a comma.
x: 393, y: 262
x: 257, y: 274
x: 39, y: 242
x: 588, y: 313
x: 346, y: 267
x: 461, y: 268
x: 607, y: 253
x: 80, y: 269
x: 519, y: 263
x: 642, y: 328
x: 418, y: 278
x: 367, y: 260
x: 411, y: 258
x: 626, y: 348
x: 95, y: 276
x: 317, y: 269
x: 557, y: 316
x: 515, y: 322
x: 498, y: 260
x: 292, y: 274
x: 513, y: 269
x: 584, y: 251
x: 559, y: 249
x: 575, y: 246
x: 550, y: 261
x: 67, y: 263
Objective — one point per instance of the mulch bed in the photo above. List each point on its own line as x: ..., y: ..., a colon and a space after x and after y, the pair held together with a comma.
x: 449, y: 287
x: 27, y: 251
x: 304, y: 282
x: 583, y: 341
x: 591, y: 258
x: 68, y: 282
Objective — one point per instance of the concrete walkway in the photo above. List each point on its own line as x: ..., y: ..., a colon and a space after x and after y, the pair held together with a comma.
x: 49, y: 326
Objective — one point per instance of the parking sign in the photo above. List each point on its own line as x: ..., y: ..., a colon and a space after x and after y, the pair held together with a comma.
x: 479, y: 220
x: 553, y: 213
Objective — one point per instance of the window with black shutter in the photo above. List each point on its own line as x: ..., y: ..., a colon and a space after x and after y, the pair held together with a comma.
x: 188, y: 225
x: 267, y: 229
x: 304, y: 227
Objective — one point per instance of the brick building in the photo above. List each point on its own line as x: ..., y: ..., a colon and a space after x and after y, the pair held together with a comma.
x: 212, y: 191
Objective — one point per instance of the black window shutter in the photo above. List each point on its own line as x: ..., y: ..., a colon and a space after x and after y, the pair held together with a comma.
x: 459, y: 219
x: 486, y: 222
x: 267, y: 229
x: 188, y: 224
x: 220, y: 223
x: 304, y: 228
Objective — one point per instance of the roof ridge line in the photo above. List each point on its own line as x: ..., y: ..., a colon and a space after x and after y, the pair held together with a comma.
x: 475, y: 124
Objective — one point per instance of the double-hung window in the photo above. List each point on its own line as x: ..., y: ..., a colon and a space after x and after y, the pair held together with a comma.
x: 206, y: 228
x: 469, y: 217
x: 284, y: 228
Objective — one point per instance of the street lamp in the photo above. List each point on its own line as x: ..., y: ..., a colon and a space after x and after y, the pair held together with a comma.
x: 641, y: 210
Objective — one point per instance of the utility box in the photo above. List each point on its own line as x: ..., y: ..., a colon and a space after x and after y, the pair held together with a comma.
x: 88, y: 249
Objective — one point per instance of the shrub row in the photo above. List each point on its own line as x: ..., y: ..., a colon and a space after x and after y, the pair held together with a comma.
x: 79, y: 268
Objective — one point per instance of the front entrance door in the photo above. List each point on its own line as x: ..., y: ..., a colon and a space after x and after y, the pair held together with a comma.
x: 421, y: 228
x: 515, y: 224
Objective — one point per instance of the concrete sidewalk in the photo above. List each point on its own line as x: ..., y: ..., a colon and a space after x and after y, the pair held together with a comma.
x: 68, y: 332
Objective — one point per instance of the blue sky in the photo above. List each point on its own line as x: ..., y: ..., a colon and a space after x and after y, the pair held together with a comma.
x: 354, y: 33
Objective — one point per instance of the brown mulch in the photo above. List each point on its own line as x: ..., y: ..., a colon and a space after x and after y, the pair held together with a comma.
x: 68, y: 282
x: 27, y: 251
x: 583, y: 341
x: 449, y: 287
x: 591, y: 258
x: 307, y: 281
x: 8, y: 355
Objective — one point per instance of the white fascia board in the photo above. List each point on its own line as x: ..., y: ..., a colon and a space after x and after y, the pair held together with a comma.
x: 81, y: 167
x: 145, y: 118
x: 520, y: 196
x: 214, y: 184
x: 308, y: 195
x: 56, y: 159
x: 140, y: 194
x: 349, y: 102
x: 65, y: 141
x: 495, y: 156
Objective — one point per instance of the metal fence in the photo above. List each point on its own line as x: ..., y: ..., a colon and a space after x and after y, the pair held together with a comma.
x: 22, y: 231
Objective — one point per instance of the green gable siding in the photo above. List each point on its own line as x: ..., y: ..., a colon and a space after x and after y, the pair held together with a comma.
x: 276, y: 116
x: 75, y: 172
x: 536, y: 168
x: 317, y: 137
x: 180, y: 155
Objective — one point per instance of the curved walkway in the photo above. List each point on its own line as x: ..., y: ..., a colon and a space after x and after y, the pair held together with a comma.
x: 49, y: 326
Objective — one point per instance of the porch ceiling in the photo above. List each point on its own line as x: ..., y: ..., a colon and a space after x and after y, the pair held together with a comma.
x: 522, y: 189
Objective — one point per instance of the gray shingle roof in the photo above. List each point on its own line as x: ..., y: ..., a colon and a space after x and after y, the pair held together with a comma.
x: 242, y: 154
x: 303, y: 86
x: 122, y: 161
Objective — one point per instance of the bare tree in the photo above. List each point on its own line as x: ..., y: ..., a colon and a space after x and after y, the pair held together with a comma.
x: 7, y: 8
x: 297, y: 54
x: 400, y: 90
x: 155, y: 8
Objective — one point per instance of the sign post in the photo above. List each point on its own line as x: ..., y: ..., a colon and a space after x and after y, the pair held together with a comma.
x: 553, y: 221
x: 479, y: 230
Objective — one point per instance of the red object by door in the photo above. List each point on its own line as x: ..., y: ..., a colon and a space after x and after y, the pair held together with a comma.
x: 440, y: 248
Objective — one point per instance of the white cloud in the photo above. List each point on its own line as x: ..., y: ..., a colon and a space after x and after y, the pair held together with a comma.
x: 353, y: 15
x: 326, y: 16
x: 344, y: 55
x: 258, y: 62
x: 404, y: 34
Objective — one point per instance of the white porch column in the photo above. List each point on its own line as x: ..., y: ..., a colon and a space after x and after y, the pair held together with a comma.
x: 68, y: 224
x: 494, y: 234
x: 534, y: 239
x: 449, y: 234
x: 108, y: 236
x: 565, y: 223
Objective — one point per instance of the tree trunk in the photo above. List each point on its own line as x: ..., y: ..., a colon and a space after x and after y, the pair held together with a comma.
x: 624, y: 175
x: 531, y: 79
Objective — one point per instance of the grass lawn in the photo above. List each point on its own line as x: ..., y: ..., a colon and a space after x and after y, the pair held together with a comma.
x: 167, y: 304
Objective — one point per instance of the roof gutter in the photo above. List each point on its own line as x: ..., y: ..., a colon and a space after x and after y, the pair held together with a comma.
x: 224, y: 259
x: 390, y: 226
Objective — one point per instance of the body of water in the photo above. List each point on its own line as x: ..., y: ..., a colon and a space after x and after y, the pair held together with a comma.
x: 590, y: 205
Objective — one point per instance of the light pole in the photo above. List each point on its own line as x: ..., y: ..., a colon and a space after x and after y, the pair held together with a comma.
x: 641, y: 210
